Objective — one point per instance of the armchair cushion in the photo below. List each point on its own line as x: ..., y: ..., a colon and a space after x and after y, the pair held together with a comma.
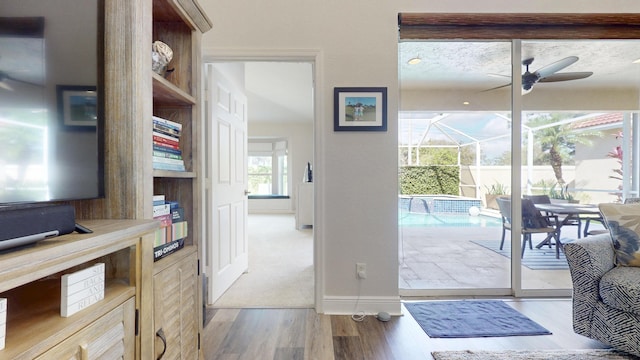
x: 620, y: 289
x: 623, y: 221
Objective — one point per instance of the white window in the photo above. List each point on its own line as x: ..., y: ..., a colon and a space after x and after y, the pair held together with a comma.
x: 268, y: 169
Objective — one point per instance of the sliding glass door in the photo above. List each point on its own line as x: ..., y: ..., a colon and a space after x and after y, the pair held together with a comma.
x: 480, y: 120
x: 455, y: 143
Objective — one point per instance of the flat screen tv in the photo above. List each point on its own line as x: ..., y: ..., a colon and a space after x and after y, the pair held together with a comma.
x: 51, y: 103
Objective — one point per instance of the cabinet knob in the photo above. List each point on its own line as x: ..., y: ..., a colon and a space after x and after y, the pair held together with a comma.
x: 247, y: 192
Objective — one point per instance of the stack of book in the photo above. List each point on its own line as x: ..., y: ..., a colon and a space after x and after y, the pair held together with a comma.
x: 166, y: 145
x: 173, y: 227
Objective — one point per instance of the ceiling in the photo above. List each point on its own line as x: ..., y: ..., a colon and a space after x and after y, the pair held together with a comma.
x: 283, y: 91
x: 279, y: 91
x: 485, y: 65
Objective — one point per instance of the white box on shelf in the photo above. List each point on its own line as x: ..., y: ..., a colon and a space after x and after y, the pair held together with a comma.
x: 81, y: 289
x: 3, y: 322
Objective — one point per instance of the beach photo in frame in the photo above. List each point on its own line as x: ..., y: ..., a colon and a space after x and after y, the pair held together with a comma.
x: 360, y: 109
x: 77, y: 106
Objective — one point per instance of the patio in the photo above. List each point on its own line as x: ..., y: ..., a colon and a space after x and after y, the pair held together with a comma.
x: 447, y: 257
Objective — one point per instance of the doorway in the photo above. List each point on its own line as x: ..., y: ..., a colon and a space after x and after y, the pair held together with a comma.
x: 280, y: 105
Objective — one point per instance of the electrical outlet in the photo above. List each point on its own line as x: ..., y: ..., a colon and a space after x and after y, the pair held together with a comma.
x: 361, y: 271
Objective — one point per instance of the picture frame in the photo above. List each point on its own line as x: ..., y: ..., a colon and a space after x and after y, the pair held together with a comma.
x: 360, y: 109
x: 77, y: 106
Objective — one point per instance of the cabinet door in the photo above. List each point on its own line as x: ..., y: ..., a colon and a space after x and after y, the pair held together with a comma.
x: 110, y: 337
x: 176, y: 310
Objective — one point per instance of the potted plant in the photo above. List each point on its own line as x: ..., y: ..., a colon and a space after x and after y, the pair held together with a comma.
x: 494, y: 191
x: 561, y: 195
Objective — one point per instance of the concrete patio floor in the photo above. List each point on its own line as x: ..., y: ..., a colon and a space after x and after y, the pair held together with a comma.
x: 435, y: 257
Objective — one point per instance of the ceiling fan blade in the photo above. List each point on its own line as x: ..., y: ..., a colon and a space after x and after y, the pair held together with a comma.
x: 566, y: 76
x: 21, y: 81
x: 497, y: 87
x: 545, y: 71
x: 5, y: 86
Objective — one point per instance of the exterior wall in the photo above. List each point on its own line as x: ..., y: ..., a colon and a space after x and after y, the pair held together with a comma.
x: 356, y: 172
x: 594, y: 168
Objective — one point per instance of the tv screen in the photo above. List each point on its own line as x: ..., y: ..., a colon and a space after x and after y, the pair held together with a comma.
x: 51, y: 117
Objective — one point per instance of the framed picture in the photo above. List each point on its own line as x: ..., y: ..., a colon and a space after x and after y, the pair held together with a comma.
x: 360, y: 109
x: 77, y: 105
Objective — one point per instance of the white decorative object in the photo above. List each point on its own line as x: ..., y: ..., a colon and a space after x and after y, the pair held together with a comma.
x: 81, y: 289
x: 304, y: 205
x: 161, y: 55
x: 3, y: 322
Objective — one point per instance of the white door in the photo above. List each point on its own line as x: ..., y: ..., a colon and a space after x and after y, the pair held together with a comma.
x: 226, y: 183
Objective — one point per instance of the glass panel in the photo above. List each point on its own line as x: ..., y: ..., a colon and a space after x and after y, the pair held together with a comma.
x: 573, y: 141
x: 454, y: 149
x: 259, y: 173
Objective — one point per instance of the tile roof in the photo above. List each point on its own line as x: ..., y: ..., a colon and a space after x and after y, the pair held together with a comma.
x: 604, y: 119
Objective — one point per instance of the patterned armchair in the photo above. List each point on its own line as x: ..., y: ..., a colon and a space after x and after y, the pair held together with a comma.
x: 606, y: 297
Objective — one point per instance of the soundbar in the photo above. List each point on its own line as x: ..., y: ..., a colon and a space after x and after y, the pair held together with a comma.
x: 24, y: 226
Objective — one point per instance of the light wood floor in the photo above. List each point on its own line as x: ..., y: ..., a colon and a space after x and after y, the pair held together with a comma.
x: 302, y: 334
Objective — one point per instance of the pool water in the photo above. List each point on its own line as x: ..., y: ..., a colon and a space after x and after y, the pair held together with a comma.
x: 447, y: 220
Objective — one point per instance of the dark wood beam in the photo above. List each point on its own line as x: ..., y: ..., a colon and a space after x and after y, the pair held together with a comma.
x: 423, y: 26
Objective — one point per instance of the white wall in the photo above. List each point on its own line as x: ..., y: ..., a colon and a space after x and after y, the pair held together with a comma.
x: 356, y: 172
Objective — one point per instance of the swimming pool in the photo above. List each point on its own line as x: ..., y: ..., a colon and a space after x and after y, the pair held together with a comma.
x: 447, y: 220
x: 437, y: 204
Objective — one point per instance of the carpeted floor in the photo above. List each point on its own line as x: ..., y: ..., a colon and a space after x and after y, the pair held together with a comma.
x: 280, y: 266
x: 533, y: 355
x: 535, y: 259
x: 472, y: 318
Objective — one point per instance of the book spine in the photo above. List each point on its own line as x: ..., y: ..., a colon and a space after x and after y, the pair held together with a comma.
x: 165, y: 139
x: 167, y: 149
x: 166, y: 146
x: 165, y: 166
x: 166, y: 130
x: 161, y: 210
x: 166, y: 160
x: 168, y: 123
x: 162, y: 154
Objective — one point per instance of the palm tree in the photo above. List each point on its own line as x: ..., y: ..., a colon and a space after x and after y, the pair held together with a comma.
x: 558, y: 142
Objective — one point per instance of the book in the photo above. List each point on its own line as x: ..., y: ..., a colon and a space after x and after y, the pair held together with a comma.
x: 165, y: 139
x: 166, y: 146
x: 158, y: 200
x: 170, y: 167
x: 168, y: 155
x: 160, y: 210
x: 167, y: 123
x: 165, y: 160
x: 167, y: 149
x: 164, y: 233
x: 179, y: 230
x: 177, y: 214
x: 166, y: 130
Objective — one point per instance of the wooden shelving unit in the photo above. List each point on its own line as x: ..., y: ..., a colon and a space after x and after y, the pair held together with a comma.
x: 176, y: 97
x: 133, y: 94
x: 30, y: 280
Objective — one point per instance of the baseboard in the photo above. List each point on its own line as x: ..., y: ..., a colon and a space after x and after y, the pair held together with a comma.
x: 370, y: 305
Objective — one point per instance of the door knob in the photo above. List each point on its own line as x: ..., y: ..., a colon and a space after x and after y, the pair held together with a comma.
x: 247, y: 192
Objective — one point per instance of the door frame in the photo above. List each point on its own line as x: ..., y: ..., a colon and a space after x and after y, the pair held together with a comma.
x: 315, y: 57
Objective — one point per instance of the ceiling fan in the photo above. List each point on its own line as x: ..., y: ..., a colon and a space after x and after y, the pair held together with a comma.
x: 548, y: 73
x: 5, y: 80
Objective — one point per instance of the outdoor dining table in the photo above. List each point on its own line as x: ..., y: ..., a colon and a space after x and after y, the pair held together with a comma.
x: 568, y: 212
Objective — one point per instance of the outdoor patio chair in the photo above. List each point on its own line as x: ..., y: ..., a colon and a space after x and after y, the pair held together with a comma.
x: 533, y: 222
x: 544, y: 199
x: 629, y: 200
